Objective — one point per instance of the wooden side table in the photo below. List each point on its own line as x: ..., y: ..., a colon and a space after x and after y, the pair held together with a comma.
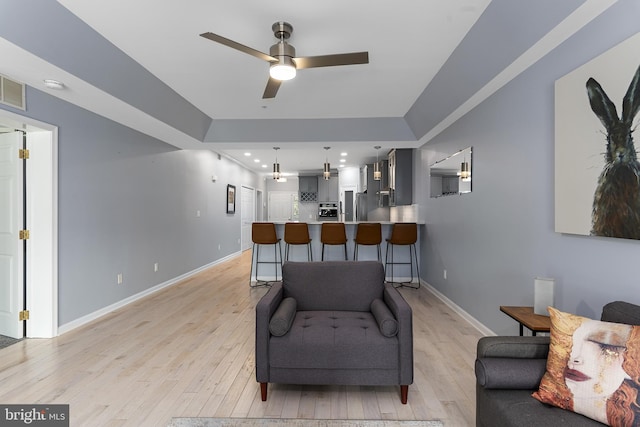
x: 526, y: 317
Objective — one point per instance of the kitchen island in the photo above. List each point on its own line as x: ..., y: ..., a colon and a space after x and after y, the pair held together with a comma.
x: 336, y: 252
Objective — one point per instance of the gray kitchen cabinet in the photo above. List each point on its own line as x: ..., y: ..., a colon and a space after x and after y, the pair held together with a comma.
x: 308, y: 188
x: 308, y: 184
x: 400, y: 176
x: 328, y: 189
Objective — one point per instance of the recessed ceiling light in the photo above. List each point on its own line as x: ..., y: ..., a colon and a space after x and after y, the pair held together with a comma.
x: 343, y: 154
x: 341, y: 166
x: 343, y: 160
x: 53, y: 84
x: 247, y: 154
x: 256, y: 160
x: 264, y: 166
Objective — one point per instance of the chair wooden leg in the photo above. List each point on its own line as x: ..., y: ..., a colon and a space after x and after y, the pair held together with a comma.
x: 404, y: 393
x: 263, y: 392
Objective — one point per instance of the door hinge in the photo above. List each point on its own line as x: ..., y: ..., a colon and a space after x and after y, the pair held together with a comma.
x: 23, y: 153
x: 24, y: 315
x: 24, y: 234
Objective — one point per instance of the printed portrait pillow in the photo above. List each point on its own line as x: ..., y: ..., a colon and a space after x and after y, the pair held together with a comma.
x: 593, y: 369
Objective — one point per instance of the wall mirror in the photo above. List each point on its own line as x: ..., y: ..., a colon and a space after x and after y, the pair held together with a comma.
x: 452, y: 175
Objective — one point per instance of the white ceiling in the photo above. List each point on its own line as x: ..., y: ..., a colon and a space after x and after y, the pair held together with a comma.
x: 408, y: 42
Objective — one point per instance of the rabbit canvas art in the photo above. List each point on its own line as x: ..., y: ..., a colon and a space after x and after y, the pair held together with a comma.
x: 616, y: 202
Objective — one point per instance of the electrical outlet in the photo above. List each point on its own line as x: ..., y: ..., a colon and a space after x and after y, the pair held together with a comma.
x: 445, y: 274
x: 119, y: 278
x: 155, y: 267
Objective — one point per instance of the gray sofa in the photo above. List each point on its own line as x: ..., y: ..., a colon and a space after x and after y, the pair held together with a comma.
x: 334, y: 322
x: 509, y: 369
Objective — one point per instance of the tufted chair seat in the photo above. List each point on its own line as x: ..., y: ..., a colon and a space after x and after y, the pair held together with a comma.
x: 334, y: 322
x: 315, y: 337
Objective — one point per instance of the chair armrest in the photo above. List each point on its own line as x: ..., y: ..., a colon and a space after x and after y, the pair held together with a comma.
x: 509, y: 373
x: 513, y: 347
x: 264, y: 310
x: 404, y: 315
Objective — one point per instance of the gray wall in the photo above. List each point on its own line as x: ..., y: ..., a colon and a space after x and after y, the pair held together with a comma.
x: 494, y: 241
x: 127, y: 201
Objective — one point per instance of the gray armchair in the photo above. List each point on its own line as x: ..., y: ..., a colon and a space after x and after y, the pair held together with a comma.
x: 334, y: 322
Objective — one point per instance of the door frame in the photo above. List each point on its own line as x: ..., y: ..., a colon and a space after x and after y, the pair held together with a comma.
x: 251, y: 212
x: 42, y: 222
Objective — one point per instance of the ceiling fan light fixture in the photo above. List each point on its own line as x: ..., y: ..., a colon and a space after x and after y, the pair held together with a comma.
x: 283, y: 70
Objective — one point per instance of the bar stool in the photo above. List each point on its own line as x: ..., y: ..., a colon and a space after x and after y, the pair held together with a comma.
x: 333, y: 233
x: 297, y: 233
x: 264, y: 233
x: 368, y: 233
x: 403, y: 234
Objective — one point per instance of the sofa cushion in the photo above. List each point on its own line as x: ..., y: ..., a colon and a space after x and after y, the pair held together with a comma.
x: 516, y: 408
x: 621, y: 312
x: 593, y: 368
x: 333, y: 285
x: 509, y: 373
x: 283, y: 317
x: 333, y: 340
x: 386, y: 322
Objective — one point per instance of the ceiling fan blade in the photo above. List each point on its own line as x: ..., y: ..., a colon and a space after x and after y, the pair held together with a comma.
x: 332, y: 60
x: 272, y: 88
x: 238, y: 46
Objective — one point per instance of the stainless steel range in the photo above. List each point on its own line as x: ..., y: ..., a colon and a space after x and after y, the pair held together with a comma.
x: 328, y: 211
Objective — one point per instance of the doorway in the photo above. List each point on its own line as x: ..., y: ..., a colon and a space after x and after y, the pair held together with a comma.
x: 247, y: 215
x: 38, y: 262
x: 283, y: 206
x: 259, y: 206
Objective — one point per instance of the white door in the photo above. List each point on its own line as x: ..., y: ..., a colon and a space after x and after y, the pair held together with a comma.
x: 247, y: 212
x: 11, y: 247
x: 281, y: 205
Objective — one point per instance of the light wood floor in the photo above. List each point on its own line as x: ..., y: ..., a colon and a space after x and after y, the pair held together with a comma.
x: 188, y: 350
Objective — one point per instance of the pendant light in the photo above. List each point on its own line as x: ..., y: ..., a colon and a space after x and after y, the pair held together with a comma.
x: 276, y: 166
x: 377, y: 174
x: 327, y: 167
x: 465, y: 173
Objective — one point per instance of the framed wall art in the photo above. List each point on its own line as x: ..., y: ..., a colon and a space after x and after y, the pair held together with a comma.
x: 597, y: 190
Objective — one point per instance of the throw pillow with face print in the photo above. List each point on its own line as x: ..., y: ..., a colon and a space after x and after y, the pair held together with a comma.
x: 593, y: 368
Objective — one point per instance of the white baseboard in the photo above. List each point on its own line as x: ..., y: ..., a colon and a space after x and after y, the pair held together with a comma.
x: 466, y: 316
x: 62, y: 329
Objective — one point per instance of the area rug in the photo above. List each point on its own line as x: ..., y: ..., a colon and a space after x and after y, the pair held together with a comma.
x: 291, y: 422
x: 7, y: 341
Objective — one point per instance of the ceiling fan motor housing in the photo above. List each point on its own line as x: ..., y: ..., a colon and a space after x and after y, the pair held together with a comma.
x: 282, y: 49
x: 282, y: 30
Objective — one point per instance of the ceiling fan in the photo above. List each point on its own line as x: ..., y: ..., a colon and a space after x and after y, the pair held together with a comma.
x: 282, y: 57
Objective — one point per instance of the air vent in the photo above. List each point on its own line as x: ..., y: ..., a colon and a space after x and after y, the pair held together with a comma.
x: 12, y: 93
